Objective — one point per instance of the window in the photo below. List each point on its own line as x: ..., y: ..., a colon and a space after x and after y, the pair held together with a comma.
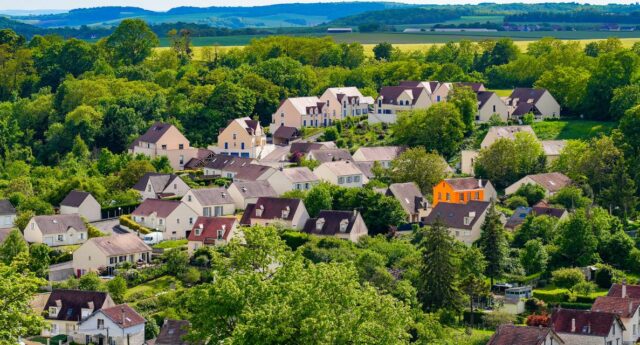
x: 218, y: 211
x: 437, y: 98
x: 82, y: 235
x: 343, y: 225
x: 122, y: 258
x: 206, y: 211
x: 220, y: 234
x: 164, y: 147
x: 178, y: 220
x: 53, y: 311
x: 448, y: 197
x: 356, y: 179
x: 113, y: 260
x: 349, y: 179
x: 340, y: 180
x: 100, y: 323
x: 439, y: 195
x: 234, y: 136
x: 61, y: 238
x: 181, y: 146
x: 160, y: 221
x: 461, y: 196
x: 477, y: 195
x: 189, y: 198
x: 242, y: 146
x: 181, y: 159
x: 148, y: 188
x: 226, y: 146
x: 190, y: 220
x: 319, y: 223
x: 281, y: 114
x: 494, y: 108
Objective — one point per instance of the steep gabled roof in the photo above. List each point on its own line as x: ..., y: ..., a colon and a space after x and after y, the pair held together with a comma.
x: 123, y: 316
x: 158, y: 181
x: 409, y: 196
x: 521, y: 335
x: 173, y: 332
x: 254, y: 189
x: 390, y: 94
x: 251, y: 172
x: 330, y: 155
x: 210, y: 227
x: 453, y: 215
x: 123, y: 244
x: 299, y: 174
x: 586, y: 322
x: 301, y: 103
x: 272, y: 208
x: 543, y: 209
x: 527, y: 95
x: 483, y: 97
x: 163, y: 208
x: 71, y: 303
x: 330, y: 222
x: 341, y: 168
x: 633, y: 291
x: 466, y: 183
x: 59, y: 223
x: 212, y: 196
x: 226, y: 162
x: 475, y: 87
x: 286, y: 132
x: 623, y: 307
x: 380, y: 153
x: 155, y: 132
x: 6, y: 208
x: 75, y: 198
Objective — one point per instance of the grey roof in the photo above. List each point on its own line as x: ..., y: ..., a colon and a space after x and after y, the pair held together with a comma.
x: 330, y: 155
x: 272, y: 208
x: 409, y: 196
x: 527, y: 95
x: 162, y: 208
x: 75, y: 198
x: 254, y: 189
x: 380, y: 153
x: 305, y: 147
x: 518, y: 217
x: 286, y: 132
x: 475, y: 87
x: 4, y: 233
x: 390, y: 94
x: 72, y: 302
x: 332, y: 220
x: 120, y: 244
x: 483, y: 97
x: 158, y: 181
x: 226, y: 162
x: 251, y: 172
x: 453, y: 215
x: 6, y: 208
x: 366, y: 167
x: 154, y: 133
x: 299, y: 174
x: 59, y: 223
x: 212, y: 196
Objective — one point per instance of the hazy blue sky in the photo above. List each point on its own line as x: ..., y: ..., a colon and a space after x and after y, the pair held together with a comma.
x: 167, y: 4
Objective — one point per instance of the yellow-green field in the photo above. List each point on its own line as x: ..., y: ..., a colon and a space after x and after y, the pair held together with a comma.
x: 627, y: 42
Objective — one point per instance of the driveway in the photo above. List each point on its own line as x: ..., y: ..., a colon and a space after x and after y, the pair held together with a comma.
x: 110, y: 226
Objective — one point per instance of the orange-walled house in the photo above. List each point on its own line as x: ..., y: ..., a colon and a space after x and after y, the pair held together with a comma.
x: 461, y: 190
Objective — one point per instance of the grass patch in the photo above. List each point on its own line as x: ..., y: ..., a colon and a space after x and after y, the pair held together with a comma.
x: 310, y: 131
x: 170, y: 244
x: 478, y: 336
x: 503, y: 92
x: 151, y: 288
x: 572, y: 129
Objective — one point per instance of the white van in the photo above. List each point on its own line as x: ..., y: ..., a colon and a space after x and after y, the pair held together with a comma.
x: 153, y: 238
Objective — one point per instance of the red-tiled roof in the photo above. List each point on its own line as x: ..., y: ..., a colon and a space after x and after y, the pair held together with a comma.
x: 210, y: 227
x: 466, y: 183
x: 586, y: 322
x: 163, y: 208
x: 522, y: 335
x: 124, y: 316
x: 623, y: 307
x: 633, y: 291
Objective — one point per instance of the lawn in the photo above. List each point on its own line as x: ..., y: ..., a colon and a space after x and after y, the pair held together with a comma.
x: 152, y: 287
x: 478, y: 336
x: 571, y: 129
x: 170, y: 244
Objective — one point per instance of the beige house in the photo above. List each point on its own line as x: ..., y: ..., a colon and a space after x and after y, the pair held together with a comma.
x: 65, y: 309
x: 539, y: 102
x: 226, y: 166
x: 341, y: 173
x: 163, y: 139
x: 289, y: 213
x: 210, y: 202
x: 56, y: 230
x: 173, y: 218
x: 347, y: 225
x: 437, y: 91
x: 297, y: 178
x: 585, y: 327
x: 408, y: 194
x: 245, y: 193
x: 117, y: 325
x: 104, y: 254
x: 342, y: 102
x: 82, y: 203
x: 395, y: 99
x: 463, y: 220
x: 627, y: 309
x: 381, y: 154
x: 243, y: 137
x: 489, y: 103
x: 156, y: 186
x: 212, y: 231
x: 550, y: 182
x: 8, y: 214
x: 298, y: 112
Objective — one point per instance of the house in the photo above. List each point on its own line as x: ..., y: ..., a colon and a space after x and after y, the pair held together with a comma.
x: 550, y: 182
x: 199, y: 161
x: 395, y: 99
x: 489, y: 103
x: 117, y: 325
x: 627, y: 310
x: 553, y: 149
x: 253, y: 172
x: 437, y: 91
x: 8, y: 214
x: 341, y: 173
x: 506, y: 132
x: 244, y: 193
x: 298, y: 112
x: 342, y: 102
x: 585, y: 327
x: 65, y: 309
x: 210, y: 202
x: 413, y: 202
x: 296, y: 178
x: 156, y: 186
x: 284, y: 135
x: 163, y: 139
x: 539, y: 102
x: 462, y: 220
x: 267, y: 210
x: 381, y: 154
x: 104, y: 254
x: 347, y: 225
x: 475, y: 87
x: 212, y: 231
x: 278, y: 158
x: 303, y: 147
x: 524, y: 335
x: 226, y: 166
x: 540, y: 209
x: 173, y: 332
x: 56, y: 230
x: 81, y: 203
x: 624, y: 290
x: 329, y: 155
x: 243, y: 137
x: 462, y: 190
x: 173, y: 218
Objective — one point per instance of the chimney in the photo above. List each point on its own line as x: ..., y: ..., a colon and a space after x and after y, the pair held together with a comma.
x: 355, y: 212
x: 573, y: 325
x: 479, y: 183
x: 123, y: 317
x: 624, y: 289
x: 630, y: 308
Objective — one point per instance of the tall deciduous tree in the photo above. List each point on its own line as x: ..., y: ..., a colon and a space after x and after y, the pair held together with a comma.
x: 12, y: 246
x: 577, y: 241
x: 416, y: 165
x: 467, y: 103
x: 131, y: 42
x: 493, y: 243
x: 17, y: 318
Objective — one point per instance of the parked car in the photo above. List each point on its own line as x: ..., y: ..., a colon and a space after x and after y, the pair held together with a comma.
x: 153, y: 238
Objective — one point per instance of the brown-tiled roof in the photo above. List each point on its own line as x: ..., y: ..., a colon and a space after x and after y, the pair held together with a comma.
x: 521, y: 335
x: 409, y: 196
x: 623, y: 307
x: 123, y: 244
x: 59, y: 223
x: 6, y: 208
x: 210, y: 227
x: 586, y: 322
x: 286, y: 132
x: 390, y: 94
x: 75, y: 198
x: 173, y: 332
x: 272, y: 209
x: 212, y: 196
x: 331, y: 224
x: 633, y: 291
x: 154, y: 133
x: 553, y: 181
x: 253, y: 189
x: 453, y: 215
x: 163, y: 208
x: 330, y: 155
x: 72, y: 302
x: 466, y: 183
x: 123, y: 316
x: 158, y: 181
x: 380, y: 153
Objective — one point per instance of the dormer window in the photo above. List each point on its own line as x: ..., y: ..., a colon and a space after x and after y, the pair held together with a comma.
x: 319, y: 223
x: 285, y: 212
x: 343, y: 225
x: 53, y: 311
x: 220, y: 234
x: 259, y: 211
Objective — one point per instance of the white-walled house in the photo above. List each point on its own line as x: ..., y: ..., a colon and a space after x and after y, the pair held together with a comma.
x: 489, y: 103
x: 117, y: 325
x: 381, y: 154
x: 296, y: 178
x: 156, y: 186
x: 245, y: 193
x: 7, y: 214
x: 586, y: 327
x: 173, y: 218
x: 210, y: 202
x: 107, y: 252
x: 539, y: 102
x: 82, y: 203
x: 341, y: 173
x: 56, y: 230
x: 395, y: 99
x: 343, y: 102
x: 212, y: 231
x: 627, y: 309
x: 347, y: 225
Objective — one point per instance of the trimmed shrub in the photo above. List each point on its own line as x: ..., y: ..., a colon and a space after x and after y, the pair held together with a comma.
x: 551, y: 296
x: 604, y: 276
x: 126, y: 220
x: 567, y: 277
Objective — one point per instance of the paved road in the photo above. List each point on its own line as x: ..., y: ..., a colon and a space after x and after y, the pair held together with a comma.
x: 110, y: 226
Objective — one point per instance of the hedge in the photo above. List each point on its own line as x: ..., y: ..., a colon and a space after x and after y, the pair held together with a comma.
x: 126, y: 220
x: 575, y: 305
x: 551, y: 296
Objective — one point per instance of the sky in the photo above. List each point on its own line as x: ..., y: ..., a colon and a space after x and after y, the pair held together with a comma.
x: 163, y: 5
